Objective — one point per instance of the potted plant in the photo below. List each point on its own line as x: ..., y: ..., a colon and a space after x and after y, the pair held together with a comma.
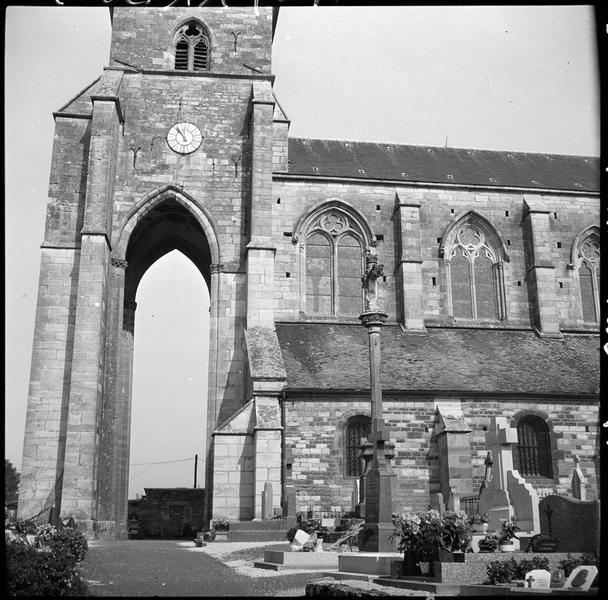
x: 430, y: 537
x: 488, y: 543
x: 479, y: 523
x: 407, y: 530
x: 507, y: 535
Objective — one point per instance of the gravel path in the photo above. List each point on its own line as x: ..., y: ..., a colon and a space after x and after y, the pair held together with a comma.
x: 178, y: 568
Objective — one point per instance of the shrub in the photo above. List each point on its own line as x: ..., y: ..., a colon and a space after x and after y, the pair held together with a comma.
x: 570, y: 563
x: 221, y: 524
x: 31, y: 572
x: 524, y: 566
x: 488, y: 543
x: 505, y: 571
x: 502, y: 571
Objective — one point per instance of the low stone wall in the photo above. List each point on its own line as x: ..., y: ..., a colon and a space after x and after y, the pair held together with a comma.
x: 327, y: 587
x: 473, y: 569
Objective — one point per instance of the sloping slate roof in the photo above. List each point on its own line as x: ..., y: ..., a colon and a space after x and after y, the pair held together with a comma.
x: 434, y: 165
x: 334, y: 357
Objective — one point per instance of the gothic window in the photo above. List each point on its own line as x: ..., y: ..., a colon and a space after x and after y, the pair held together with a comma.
x: 533, y: 447
x: 474, y: 270
x: 334, y: 255
x: 191, y: 48
x: 356, y: 428
x: 589, y: 277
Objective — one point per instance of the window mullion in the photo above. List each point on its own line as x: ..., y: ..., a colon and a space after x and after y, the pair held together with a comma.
x: 473, y: 294
x: 190, y: 56
x: 595, y: 288
x: 334, y: 276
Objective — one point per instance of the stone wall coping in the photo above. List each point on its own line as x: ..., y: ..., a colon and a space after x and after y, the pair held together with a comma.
x: 417, y: 184
x: 203, y: 74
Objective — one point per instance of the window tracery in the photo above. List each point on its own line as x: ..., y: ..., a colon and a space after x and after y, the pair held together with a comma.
x: 588, y: 260
x: 191, y: 48
x: 474, y: 271
x: 333, y: 258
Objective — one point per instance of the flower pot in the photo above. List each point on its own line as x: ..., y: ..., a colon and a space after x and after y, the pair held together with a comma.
x: 479, y: 528
x: 410, y: 565
x: 509, y: 547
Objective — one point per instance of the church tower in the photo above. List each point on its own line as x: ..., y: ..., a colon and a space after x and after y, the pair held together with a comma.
x: 170, y: 148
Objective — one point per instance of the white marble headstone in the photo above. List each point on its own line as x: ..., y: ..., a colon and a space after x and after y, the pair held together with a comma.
x: 538, y: 578
x: 581, y: 578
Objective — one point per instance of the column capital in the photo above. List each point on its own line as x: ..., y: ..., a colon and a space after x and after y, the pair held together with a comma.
x: 374, y: 318
x: 119, y: 263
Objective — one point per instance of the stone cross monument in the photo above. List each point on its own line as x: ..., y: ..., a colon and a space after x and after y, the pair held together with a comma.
x: 375, y: 535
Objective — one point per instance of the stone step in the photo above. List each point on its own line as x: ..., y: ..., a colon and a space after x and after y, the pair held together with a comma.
x: 268, y: 525
x: 257, y: 535
x: 278, y: 567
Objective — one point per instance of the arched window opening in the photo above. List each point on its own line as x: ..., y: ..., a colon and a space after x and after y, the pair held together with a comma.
x: 191, y: 48
x: 589, y: 277
x: 533, y: 447
x: 475, y: 273
x: 334, y: 261
x: 171, y: 347
x: 357, y: 428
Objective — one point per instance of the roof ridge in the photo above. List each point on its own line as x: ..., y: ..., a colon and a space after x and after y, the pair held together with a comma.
x: 452, y: 148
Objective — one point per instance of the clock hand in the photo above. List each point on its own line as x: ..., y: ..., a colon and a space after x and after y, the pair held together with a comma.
x: 181, y: 133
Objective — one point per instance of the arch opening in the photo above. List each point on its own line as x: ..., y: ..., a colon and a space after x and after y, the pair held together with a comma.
x: 163, y: 370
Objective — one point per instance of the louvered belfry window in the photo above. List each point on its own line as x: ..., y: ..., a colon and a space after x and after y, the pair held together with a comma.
x: 191, y: 48
x: 534, y: 447
x: 357, y: 428
x: 334, y: 266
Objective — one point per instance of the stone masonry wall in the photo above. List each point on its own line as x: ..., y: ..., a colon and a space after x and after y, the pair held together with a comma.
x: 143, y: 37
x: 314, y: 434
x: 293, y: 198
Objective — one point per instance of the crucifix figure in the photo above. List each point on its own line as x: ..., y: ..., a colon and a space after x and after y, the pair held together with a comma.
x: 372, y: 271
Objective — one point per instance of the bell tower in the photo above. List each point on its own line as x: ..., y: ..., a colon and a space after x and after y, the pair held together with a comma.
x: 170, y: 148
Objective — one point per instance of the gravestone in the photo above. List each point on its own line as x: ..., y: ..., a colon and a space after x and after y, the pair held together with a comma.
x: 538, y: 578
x: 267, y: 502
x: 437, y: 502
x: 354, y: 496
x: 505, y: 493
x: 581, y: 578
x: 575, y: 524
x: 578, y: 482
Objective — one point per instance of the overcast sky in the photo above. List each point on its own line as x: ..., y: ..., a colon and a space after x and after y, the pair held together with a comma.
x: 519, y: 78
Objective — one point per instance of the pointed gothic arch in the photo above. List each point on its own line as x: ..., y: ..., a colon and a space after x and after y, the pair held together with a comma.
x: 585, y: 261
x: 191, y: 45
x: 332, y: 239
x: 473, y: 256
x: 167, y: 219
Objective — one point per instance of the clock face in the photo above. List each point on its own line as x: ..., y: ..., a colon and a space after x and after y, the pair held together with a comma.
x: 184, y: 138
